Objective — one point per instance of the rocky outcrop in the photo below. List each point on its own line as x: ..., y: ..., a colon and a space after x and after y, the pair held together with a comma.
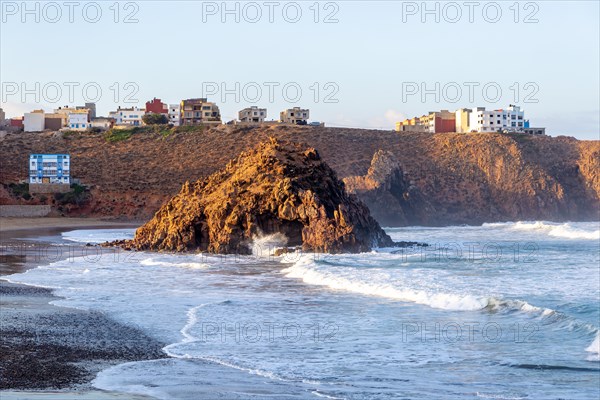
x: 391, y: 196
x: 278, y: 187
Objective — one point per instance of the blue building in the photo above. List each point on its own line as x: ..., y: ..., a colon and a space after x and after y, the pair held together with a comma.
x: 50, y: 168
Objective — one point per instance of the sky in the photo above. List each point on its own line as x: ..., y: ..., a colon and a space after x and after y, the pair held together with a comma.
x: 364, y: 64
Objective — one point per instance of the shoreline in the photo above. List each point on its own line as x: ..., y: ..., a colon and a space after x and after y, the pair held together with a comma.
x: 49, y: 351
x: 19, y: 226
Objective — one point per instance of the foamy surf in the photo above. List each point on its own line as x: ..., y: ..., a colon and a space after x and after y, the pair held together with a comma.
x: 97, y: 235
x: 168, y: 298
x: 371, y: 283
x: 190, y: 265
x: 305, y: 269
x: 594, y: 348
x: 557, y: 230
x: 263, y: 245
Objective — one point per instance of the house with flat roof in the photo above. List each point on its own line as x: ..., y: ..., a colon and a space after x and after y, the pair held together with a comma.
x: 296, y: 115
x: 199, y: 111
x: 49, y: 173
x: 252, y: 114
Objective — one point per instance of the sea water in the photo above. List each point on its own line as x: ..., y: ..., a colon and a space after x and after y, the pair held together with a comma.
x: 500, y: 311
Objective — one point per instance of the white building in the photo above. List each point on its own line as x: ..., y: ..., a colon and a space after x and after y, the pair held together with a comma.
x: 175, y: 114
x: 102, y: 123
x: 294, y: 115
x: 78, y: 120
x: 128, y: 116
x: 49, y: 168
x: 510, y: 119
x: 34, y: 121
x: 252, y: 114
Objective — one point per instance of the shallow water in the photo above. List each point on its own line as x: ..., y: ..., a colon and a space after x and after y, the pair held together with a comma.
x: 503, y: 311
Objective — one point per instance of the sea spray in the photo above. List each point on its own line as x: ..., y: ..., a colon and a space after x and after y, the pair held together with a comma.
x: 264, y: 245
x: 594, y: 348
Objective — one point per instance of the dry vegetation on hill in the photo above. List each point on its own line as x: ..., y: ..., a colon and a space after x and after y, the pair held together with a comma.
x: 465, y: 178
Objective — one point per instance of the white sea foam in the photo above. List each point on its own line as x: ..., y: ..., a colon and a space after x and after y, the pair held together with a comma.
x: 369, y: 282
x: 167, y: 297
x: 594, y: 348
x: 307, y: 270
x: 585, y: 231
x: 498, y: 396
x: 98, y: 235
x: 190, y: 265
x: 185, y: 331
x: 264, y: 245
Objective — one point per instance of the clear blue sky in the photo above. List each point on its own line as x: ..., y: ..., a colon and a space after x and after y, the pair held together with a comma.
x: 374, y: 51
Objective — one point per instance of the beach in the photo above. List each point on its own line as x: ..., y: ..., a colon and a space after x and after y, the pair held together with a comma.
x: 53, y: 352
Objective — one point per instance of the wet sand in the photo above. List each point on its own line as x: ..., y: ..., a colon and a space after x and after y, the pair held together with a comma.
x: 8, y: 224
x: 55, y: 351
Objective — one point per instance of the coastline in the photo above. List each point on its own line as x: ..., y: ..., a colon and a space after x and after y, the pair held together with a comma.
x: 9, y: 225
x: 49, y: 351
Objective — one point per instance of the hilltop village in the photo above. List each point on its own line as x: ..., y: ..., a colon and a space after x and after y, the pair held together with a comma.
x: 189, y: 112
x: 200, y: 111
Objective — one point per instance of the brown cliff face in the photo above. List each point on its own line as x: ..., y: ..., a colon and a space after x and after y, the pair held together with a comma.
x: 278, y: 187
x: 465, y: 178
x: 388, y: 192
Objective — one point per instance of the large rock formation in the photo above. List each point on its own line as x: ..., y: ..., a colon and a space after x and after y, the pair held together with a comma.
x: 391, y: 196
x: 278, y: 187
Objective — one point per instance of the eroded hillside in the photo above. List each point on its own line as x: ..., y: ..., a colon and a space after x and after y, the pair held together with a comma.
x: 470, y: 178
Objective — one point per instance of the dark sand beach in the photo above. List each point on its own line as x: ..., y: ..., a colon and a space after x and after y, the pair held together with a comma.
x: 48, y: 349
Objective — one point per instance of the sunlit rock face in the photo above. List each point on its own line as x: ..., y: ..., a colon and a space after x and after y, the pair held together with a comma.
x: 278, y: 187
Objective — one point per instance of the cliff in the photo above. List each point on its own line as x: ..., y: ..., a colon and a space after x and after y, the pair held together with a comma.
x: 278, y: 187
x: 390, y: 194
x: 463, y: 178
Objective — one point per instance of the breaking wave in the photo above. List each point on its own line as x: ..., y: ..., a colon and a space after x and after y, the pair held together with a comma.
x: 314, y: 274
x: 594, y: 348
x: 564, y: 230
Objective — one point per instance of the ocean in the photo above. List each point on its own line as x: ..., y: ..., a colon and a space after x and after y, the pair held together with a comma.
x: 498, y: 311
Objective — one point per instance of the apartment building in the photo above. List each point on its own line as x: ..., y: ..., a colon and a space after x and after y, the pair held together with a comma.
x: 296, y: 115
x: 252, y: 114
x: 510, y: 119
x: 49, y: 169
x: 156, y: 106
x: 128, y: 116
x: 199, y: 111
x: 462, y: 118
x: 174, y: 114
